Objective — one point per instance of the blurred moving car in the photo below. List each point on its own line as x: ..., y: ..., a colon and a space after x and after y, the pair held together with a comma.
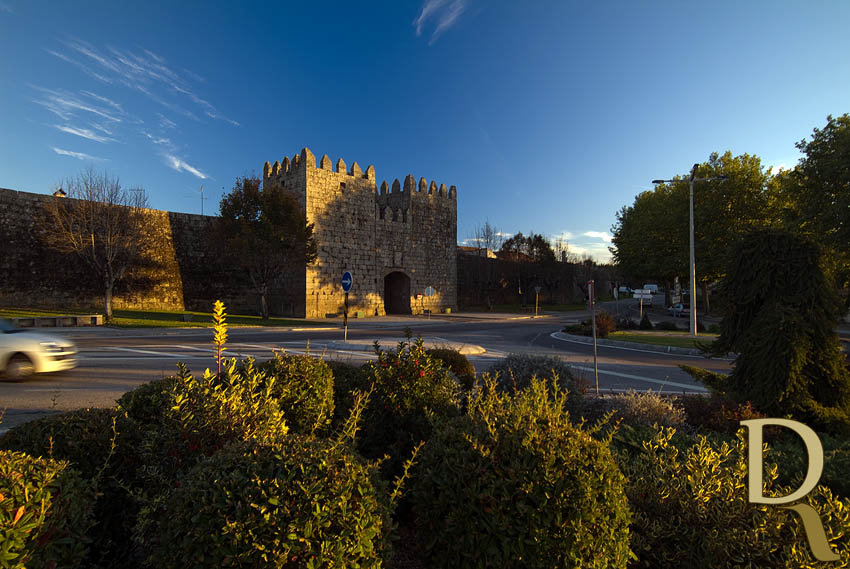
x: 678, y: 309
x: 25, y: 352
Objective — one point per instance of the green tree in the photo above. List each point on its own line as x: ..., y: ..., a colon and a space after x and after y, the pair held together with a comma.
x: 817, y: 192
x: 651, y: 237
x: 266, y: 233
x: 534, y: 246
x: 780, y: 318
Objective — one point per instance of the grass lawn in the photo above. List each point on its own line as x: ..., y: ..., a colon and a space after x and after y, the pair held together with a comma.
x: 154, y: 319
x: 661, y: 338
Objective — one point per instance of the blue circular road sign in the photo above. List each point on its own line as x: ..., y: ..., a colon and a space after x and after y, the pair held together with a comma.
x: 347, y: 281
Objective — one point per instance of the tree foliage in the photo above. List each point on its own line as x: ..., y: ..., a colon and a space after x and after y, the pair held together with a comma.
x: 816, y: 194
x: 533, y: 247
x: 100, y: 222
x: 780, y: 318
x: 266, y: 233
x: 651, y: 237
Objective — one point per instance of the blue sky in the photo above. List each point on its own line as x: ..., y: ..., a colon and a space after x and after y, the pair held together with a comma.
x: 547, y: 116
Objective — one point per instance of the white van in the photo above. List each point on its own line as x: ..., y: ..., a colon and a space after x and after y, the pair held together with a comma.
x: 653, y: 288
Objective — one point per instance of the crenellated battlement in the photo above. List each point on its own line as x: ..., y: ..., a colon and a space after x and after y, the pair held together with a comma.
x: 305, y: 160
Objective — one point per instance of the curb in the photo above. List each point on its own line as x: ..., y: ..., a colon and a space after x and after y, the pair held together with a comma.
x: 368, y: 346
x: 621, y: 344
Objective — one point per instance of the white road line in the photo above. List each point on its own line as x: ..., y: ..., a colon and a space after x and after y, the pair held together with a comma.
x: 135, y: 351
x: 640, y: 378
x: 554, y: 337
x: 210, y: 350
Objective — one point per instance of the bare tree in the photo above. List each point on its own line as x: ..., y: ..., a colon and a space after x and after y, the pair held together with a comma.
x: 100, y: 222
x: 561, y: 247
x: 488, y: 238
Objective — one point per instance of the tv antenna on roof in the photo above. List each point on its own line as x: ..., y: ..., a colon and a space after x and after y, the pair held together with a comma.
x: 202, y: 200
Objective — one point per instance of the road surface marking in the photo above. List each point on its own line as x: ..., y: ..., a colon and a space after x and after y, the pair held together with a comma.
x: 640, y: 378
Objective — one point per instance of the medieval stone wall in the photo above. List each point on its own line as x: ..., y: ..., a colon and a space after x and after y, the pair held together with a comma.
x: 411, y: 230
x: 404, y: 235
x: 178, y: 268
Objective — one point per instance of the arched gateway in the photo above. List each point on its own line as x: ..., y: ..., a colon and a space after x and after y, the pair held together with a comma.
x: 397, y: 293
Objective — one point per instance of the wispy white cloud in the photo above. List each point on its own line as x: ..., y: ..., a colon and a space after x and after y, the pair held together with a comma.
x: 77, y: 155
x: 66, y: 105
x: 603, y: 235
x: 6, y: 8
x: 165, y: 123
x: 180, y: 165
x: 159, y: 140
x: 444, y: 12
x: 144, y: 71
x: 83, y: 132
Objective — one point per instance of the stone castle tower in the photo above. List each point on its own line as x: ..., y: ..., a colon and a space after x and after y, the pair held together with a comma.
x: 396, y: 241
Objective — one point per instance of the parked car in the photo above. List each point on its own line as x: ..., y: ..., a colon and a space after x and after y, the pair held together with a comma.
x: 679, y: 309
x: 25, y: 352
x: 626, y: 290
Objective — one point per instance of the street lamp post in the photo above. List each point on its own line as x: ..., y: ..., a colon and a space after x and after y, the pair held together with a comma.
x: 693, y: 269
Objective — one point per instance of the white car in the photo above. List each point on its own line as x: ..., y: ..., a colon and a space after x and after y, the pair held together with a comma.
x: 679, y: 309
x: 24, y: 352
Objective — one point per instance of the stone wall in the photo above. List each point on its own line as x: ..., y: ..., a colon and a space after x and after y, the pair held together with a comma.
x: 178, y: 269
x: 384, y: 237
x: 410, y: 230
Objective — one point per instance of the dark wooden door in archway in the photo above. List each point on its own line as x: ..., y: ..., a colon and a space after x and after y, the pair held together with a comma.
x: 397, y: 293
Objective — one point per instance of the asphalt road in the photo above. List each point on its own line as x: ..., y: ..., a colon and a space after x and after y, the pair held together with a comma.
x: 112, y: 362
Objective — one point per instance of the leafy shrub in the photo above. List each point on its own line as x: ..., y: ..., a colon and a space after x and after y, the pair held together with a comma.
x: 514, y: 483
x: 717, y: 413
x: 667, y: 326
x: 714, y: 329
x: 203, y: 415
x: 45, y: 512
x: 149, y: 401
x: 298, y: 503
x: 517, y: 370
x: 691, y: 509
x: 410, y: 386
x: 458, y: 363
x: 627, y: 324
x: 347, y: 379
x: 644, y: 408
x: 304, y: 389
x: 645, y: 322
x: 100, y: 444
x: 788, y: 452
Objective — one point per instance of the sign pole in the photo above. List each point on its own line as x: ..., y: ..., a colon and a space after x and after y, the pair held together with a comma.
x: 347, y: 281
x: 591, y: 288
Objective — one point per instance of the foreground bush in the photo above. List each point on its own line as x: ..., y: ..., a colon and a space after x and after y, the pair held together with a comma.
x: 691, y: 509
x: 347, y: 379
x: 299, y: 503
x: 409, y: 387
x: 643, y: 408
x: 304, y: 388
x: 101, y: 444
x: 517, y: 370
x: 514, y: 484
x: 45, y: 512
x: 458, y: 363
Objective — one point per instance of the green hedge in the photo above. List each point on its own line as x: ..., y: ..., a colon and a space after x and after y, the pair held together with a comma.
x: 45, y: 512
x: 691, y: 509
x: 299, y: 503
x: 409, y: 387
x: 513, y: 484
x: 304, y: 388
x: 102, y: 445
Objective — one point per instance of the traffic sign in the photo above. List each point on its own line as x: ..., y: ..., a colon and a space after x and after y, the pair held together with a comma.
x: 429, y: 291
x: 347, y: 281
x: 537, y: 289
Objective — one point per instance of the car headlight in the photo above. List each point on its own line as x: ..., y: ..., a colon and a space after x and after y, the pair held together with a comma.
x: 51, y: 346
